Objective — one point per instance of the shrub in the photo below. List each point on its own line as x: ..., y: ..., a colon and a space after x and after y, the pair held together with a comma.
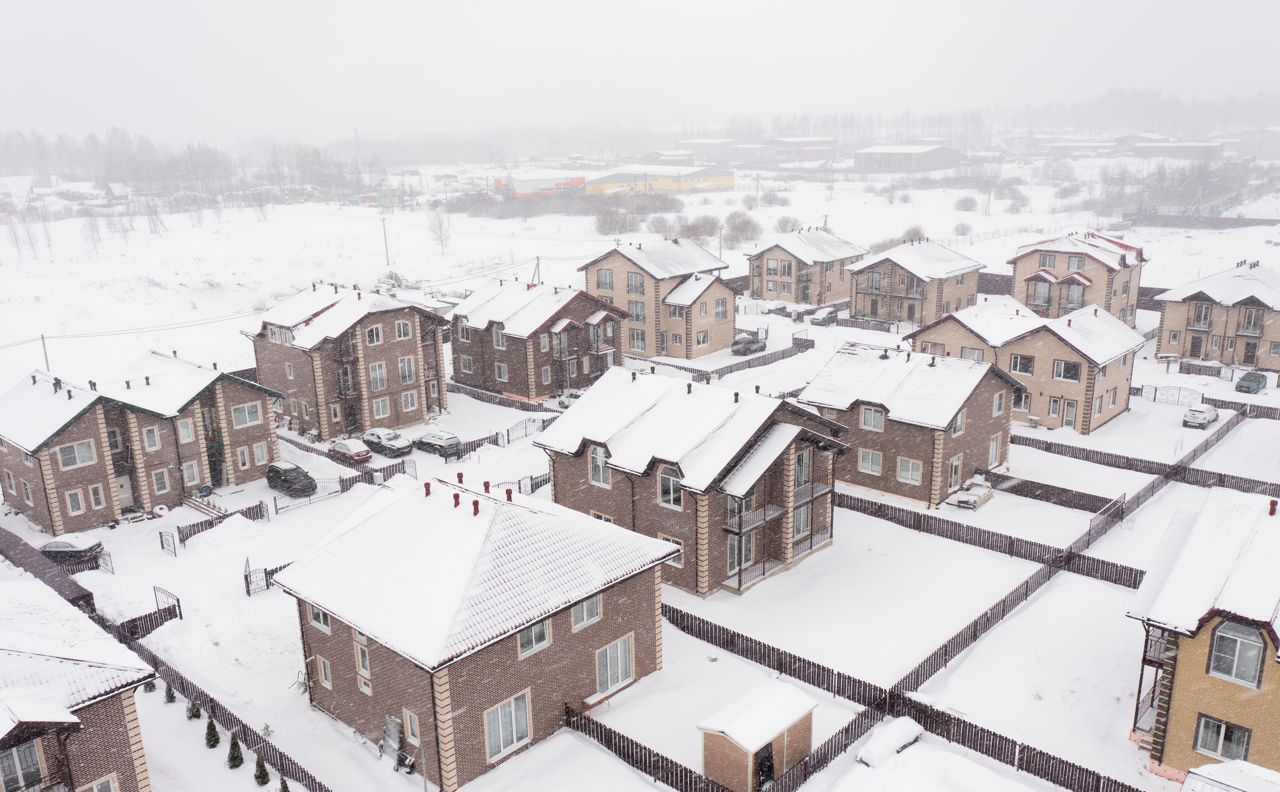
x: 660, y: 224
x: 234, y: 756
x: 284, y: 784
x: 774, y: 198
x: 963, y: 229
x: 786, y: 224
x: 193, y: 710
x: 149, y: 686
x: 169, y: 698
x: 913, y: 233
x: 740, y: 227
x: 967, y: 204
x: 904, y: 198
x: 699, y: 228
x: 211, y: 738
x: 749, y: 202
x: 1068, y: 191
x: 260, y: 775
x: 615, y: 221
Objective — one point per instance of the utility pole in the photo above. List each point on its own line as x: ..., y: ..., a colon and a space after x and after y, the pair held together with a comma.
x: 386, y: 249
x: 757, y: 189
x: 824, y: 222
x: 45, y: 347
x: 537, y: 269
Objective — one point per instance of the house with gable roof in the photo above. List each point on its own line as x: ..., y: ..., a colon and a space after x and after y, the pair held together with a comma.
x: 741, y: 483
x: 917, y: 281
x: 917, y: 426
x: 1231, y: 317
x: 531, y: 341
x: 348, y: 360
x: 68, y: 720
x: 806, y: 266
x: 676, y: 303
x: 1075, y: 370
x: 519, y: 607
x: 1054, y: 277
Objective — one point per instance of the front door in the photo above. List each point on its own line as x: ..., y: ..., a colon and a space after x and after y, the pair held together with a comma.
x: 1250, y: 353
x: 124, y: 491
x: 1069, y: 414
x: 911, y: 312
x: 1197, y: 346
x: 874, y: 309
x: 764, y: 768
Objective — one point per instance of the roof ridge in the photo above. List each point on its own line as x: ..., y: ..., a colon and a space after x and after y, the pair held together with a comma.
x: 76, y: 660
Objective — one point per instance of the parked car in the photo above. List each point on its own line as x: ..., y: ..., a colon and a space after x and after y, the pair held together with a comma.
x: 438, y: 441
x: 823, y: 318
x: 290, y: 479
x: 350, y: 450
x: 1199, y: 416
x: 387, y: 442
x: 748, y: 345
x: 1253, y: 382
x: 63, y: 550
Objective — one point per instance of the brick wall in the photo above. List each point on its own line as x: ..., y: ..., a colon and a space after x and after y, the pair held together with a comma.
x: 107, y: 745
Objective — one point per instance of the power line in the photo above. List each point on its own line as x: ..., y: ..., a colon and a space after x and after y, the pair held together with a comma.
x: 133, y: 330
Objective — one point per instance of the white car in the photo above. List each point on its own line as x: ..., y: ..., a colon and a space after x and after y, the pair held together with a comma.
x: 1199, y: 416
x: 387, y: 442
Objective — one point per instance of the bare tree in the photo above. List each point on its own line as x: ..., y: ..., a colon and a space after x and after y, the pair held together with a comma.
x: 92, y: 233
x: 786, y: 224
x: 13, y: 236
x: 441, y: 232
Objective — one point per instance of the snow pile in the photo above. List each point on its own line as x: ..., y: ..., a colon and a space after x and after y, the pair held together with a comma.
x: 1235, y: 775
x: 888, y: 740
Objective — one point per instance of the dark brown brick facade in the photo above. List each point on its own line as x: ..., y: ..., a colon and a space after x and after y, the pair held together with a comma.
x: 108, y: 744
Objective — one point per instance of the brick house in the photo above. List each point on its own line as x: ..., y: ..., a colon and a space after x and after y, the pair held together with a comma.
x: 677, y: 305
x: 1209, y: 688
x: 1230, y: 317
x: 806, y: 266
x: 74, y: 457
x: 531, y: 341
x: 918, y: 426
x: 67, y: 714
x: 1054, y: 277
x: 1075, y: 370
x: 915, y: 282
x: 348, y: 360
x: 517, y: 608
x: 741, y: 482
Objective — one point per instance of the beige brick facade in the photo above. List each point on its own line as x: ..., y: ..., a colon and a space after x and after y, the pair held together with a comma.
x: 778, y: 274
x: 1116, y: 290
x: 890, y: 293
x: 1237, y: 335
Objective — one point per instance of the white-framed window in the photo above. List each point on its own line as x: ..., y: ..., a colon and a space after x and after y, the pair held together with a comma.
x: 1066, y: 370
x: 288, y: 370
x: 1221, y: 739
x: 364, y: 667
x: 377, y: 376
x: 544, y: 342
x: 464, y: 332
x: 433, y: 389
x: 1231, y: 344
x: 75, y: 502
x: 26, y: 494
x: 1113, y: 396
x: 635, y: 283
x: 1237, y: 654
x: 771, y: 286
x: 614, y: 665
x: 403, y: 330
x: 335, y: 413
x: 573, y: 367
x: 909, y: 470
x: 997, y: 404
x: 412, y: 728
x: 586, y: 366
x: 722, y: 308
x: 669, y: 493
x: 75, y: 455
x: 242, y: 457
x: 635, y: 339
x: 274, y: 334
x: 871, y: 418
x: 1022, y: 364
x: 703, y: 337
x: 741, y: 553
x: 601, y: 476
x: 1075, y: 263
x: 464, y: 362
x: 186, y: 430
x: 801, y: 521
x: 160, y: 480
x: 382, y: 408
x: 993, y: 451
x: 324, y: 672
x: 319, y: 618
x: 28, y: 460
x: 260, y: 453
x: 960, y: 279
x: 1102, y: 371
x: 499, y: 339
x: 971, y: 353
x: 533, y: 639
x: 546, y: 375
x: 955, y: 471
x: 676, y: 561
x: 595, y: 515
x: 870, y: 461
x: 249, y: 414
x: 96, y: 498
x: 190, y: 474
x: 306, y: 410
x: 1097, y: 405
x: 636, y: 309
x: 957, y: 424
x: 1175, y: 337
x: 675, y: 312
x: 677, y: 340
x: 21, y: 768
x: 406, y: 370
x: 364, y: 685
x: 10, y: 483
x: 785, y: 286
x: 1055, y: 406
x: 114, y: 445
x: 1046, y: 261
x: 373, y: 335
x: 500, y: 372
x: 585, y: 613
x: 409, y: 401
x: 604, y: 279
x: 506, y: 726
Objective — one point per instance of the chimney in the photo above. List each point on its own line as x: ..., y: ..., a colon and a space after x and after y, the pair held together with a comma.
x: 335, y: 288
x: 215, y: 365
x: 57, y: 384
x: 735, y: 397
x: 359, y: 296
x: 175, y: 353
x: 486, y: 488
x: 757, y: 389
x: 933, y: 361
x: 127, y: 386
x: 1271, y: 509
x: 93, y: 386
x: 459, y: 476
x: 426, y: 489
x: 69, y: 392
x: 475, y: 507
x: 508, y: 493
x: 653, y: 369
x: 1068, y: 323
x: 688, y: 388
x: 639, y: 246
x: 633, y: 377
x: 1095, y: 311
x: 908, y: 354
x: 148, y: 379
x: 33, y: 379
x: 457, y: 499
x: 313, y: 285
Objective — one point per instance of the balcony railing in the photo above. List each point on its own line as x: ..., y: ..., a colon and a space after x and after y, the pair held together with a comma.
x: 915, y: 294
x: 346, y: 392
x: 1198, y: 325
x: 1038, y: 302
x: 753, y: 519
x: 1070, y: 305
x: 1250, y: 330
x: 813, y: 489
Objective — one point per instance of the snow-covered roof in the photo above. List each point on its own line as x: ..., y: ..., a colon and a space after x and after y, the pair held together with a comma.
x: 1235, y: 775
x: 34, y: 410
x: 676, y: 171
x: 160, y: 384
x: 479, y: 577
x: 326, y: 311
x: 667, y: 258
x: 760, y: 714
x: 1106, y: 250
x: 1230, y: 287
x: 889, y: 148
x: 521, y: 308
x: 52, y: 651
x: 757, y: 461
x: 917, y: 389
x: 640, y: 420
x: 814, y: 246
x: 689, y: 290
x: 924, y: 259
x: 19, y: 705
x: 1222, y: 559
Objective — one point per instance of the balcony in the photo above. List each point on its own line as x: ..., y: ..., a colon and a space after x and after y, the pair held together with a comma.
x: 752, y: 519
x: 807, y: 492
x: 1070, y: 305
x: 346, y: 392
x: 915, y: 294
x: 1249, y: 330
x: 1196, y: 324
x: 345, y: 353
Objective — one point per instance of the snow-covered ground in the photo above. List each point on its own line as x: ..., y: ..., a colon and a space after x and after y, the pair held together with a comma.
x: 929, y: 764
x: 1043, y: 466
x: 1148, y: 431
x: 1134, y: 540
x: 1249, y: 450
x: 1148, y: 371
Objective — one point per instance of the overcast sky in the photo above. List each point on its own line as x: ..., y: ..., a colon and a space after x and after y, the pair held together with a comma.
x: 225, y: 70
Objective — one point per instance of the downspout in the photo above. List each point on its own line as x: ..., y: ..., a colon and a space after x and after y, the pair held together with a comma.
x: 177, y: 447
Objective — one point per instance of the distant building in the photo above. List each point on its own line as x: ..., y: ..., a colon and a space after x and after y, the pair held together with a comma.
x: 1125, y: 143
x: 529, y: 184
x: 670, y: 157
x: 1230, y: 317
x: 708, y: 150
x: 661, y: 179
x: 1263, y: 144
x: 890, y: 158
x: 1093, y: 148
x: 916, y: 281
x: 802, y: 149
x: 806, y: 266
x: 1188, y: 150
x: 1054, y: 277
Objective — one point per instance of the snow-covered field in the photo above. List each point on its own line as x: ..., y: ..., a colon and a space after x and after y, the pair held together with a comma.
x: 1148, y: 430
x: 1043, y: 466
x: 1134, y: 540
x: 1249, y: 450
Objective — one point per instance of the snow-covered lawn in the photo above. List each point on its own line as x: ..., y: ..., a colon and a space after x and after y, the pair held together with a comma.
x: 1148, y: 371
x: 697, y: 679
x: 1148, y: 430
x: 565, y: 762
x: 1059, y: 674
x: 1134, y: 540
x: 846, y: 606
x: 1251, y: 449
x: 1035, y: 465
x: 470, y: 418
x: 930, y: 764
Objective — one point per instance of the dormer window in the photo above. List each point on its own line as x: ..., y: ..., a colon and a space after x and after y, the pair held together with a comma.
x: 872, y: 418
x: 1237, y: 654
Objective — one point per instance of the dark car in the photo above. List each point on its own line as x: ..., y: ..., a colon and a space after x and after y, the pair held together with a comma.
x: 439, y: 442
x: 350, y: 450
x: 1252, y: 382
x: 748, y: 345
x: 290, y: 479
x: 61, y: 551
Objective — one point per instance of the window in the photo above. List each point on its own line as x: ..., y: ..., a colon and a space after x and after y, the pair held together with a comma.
x: 909, y: 470
x: 1039, y: 293
x: 288, y: 371
x: 1075, y: 295
x: 957, y: 424
x: 319, y: 618
x: 573, y: 367
x: 702, y: 308
x: 75, y: 502
x: 870, y: 462
x: 1075, y: 263
x: 412, y: 729
x: 28, y: 460
x: 1175, y: 337
x: 677, y: 340
x: 10, y: 483
x: 586, y: 612
x: 771, y: 286
x: 534, y: 638
x: 76, y: 455
x: 113, y: 441
x: 635, y: 283
x: 635, y: 340
x: 433, y: 389
x: 151, y: 438
x: 1102, y: 371
x: 613, y: 665
x: 993, y: 451
x: 703, y: 337
x: 546, y: 375
x: 872, y: 418
x: 382, y: 408
x: 506, y: 726
x: 1066, y: 370
x: 804, y: 467
x: 1237, y: 654
x: 377, y: 376
x: 1231, y: 344
x: 1201, y: 314
x: 595, y: 515
x: 1221, y: 739
x: 403, y: 330
x: 586, y: 365
x: 677, y: 560
x: 274, y: 334
x: 604, y: 280
x: 873, y: 281
x: 771, y: 266
x: 406, y: 370
x: 784, y: 268
x: 600, y: 473
x: 955, y: 470
x: 335, y: 414
x: 408, y: 401
x: 186, y: 430
x: 464, y: 362
x: 306, y: 410
x: 675, y: 312
x: 373, y: 335
x: 544, y: 342
x: 464, y: 332
x: 363, y: 667
x: 636, y: 309
x: 800, y: 522
x: 359, y: 637
x: 499, y: 340
x: 20, y: 768
x: 741, y: 551
x: 1097, y: 405
x: 997, y: 404
x: 1046, y: 261
x: 960, y: 279
x: 190, y: 474
x: 500, y: 372
x: 971, y: 353
x: 722, y: 308
x: 243, y: 415
x: 26, y: 494
x: 1113, y: 396
x: 160, y: 480
x: 669, y: 487
x: 260, y: 453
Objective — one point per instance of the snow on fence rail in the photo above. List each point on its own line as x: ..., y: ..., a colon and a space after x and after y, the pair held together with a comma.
x: 1248, y: 409
x: 147, y: 623
x: 1091, y: 455
x: 658, y: 766
x: 489, y: 397
x: 257, y: 511
x: 525, y: 486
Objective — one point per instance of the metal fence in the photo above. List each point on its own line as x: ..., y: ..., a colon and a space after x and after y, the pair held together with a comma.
x: 526, y: 485
x: 489, y: 397
x: 879, y: 325
x: 147, y: 623
x: 1199, y: 369
x: 658, y: 766
x: 259, y: 579
x: 257, y: 511
x: 24, y: 556
x: 1091, y: 455
x: 101, y: 561
x: 1049, y: 493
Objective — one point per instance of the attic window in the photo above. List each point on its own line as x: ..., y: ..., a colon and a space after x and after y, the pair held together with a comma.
x: 669, y: 493
x: 1237, y: 654
x: 872, y: 418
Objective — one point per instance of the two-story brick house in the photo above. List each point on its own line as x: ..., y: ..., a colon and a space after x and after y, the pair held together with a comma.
x: 1054, y: 277
x: 461, y: 647
x: 806, y: 266
x: 918, y: 426
x: 741, y: 482
x: 531, y: 341
x: 1230, y: 317
x: 1209, y: 688
x: 75, y: 457
x: 68, y: 720
x: 677, y: 305
x: 1075, y: 370
x: 348, y: 360
x: 917, y: 281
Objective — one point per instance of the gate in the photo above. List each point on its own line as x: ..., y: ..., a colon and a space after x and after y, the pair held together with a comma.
x: 169, y: 543
x: 255, y: 580
x: 167, y: 599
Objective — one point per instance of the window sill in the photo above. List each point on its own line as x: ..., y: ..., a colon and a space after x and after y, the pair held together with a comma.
x: 321, y: 628
x: 526, y: 655
x: 608, y: 486
x: 498, y: 757
x: 597, y: 698
x: 671, y: 507
x: 584, y: 625
x: 1234, y: 681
